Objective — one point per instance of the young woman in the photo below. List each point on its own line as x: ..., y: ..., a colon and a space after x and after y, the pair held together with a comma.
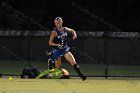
x: 58, y: 41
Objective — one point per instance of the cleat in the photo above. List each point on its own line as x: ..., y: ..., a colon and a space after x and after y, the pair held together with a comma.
x: 83, y: 77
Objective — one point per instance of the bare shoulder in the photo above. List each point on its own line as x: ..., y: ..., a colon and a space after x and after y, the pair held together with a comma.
x: 54, y: 33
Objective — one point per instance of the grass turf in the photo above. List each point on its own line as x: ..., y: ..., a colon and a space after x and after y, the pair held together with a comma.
x: 16, y: 67
x: 68, y: 86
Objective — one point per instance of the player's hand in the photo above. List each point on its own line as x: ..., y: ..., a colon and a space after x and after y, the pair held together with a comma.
x: 60, y: 46
x: 74, y: 36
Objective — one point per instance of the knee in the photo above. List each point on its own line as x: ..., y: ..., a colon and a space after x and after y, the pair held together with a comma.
x: 73, y: 63
x: 57, y: 66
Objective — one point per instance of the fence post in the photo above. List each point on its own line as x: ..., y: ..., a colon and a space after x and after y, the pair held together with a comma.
x: 106, y: 56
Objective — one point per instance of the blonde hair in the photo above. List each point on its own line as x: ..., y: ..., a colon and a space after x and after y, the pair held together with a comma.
x: 59, y: 18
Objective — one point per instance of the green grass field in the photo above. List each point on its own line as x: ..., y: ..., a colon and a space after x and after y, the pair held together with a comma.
x: 76, y: 85
x: 16, y: 67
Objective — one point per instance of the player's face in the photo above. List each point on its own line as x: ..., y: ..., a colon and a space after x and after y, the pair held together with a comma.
x: 58, y: 23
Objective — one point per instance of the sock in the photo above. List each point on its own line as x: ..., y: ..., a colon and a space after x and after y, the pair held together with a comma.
x: 77, y: 69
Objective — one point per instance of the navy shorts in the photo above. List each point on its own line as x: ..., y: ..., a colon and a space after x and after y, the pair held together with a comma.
x: 60, y: 52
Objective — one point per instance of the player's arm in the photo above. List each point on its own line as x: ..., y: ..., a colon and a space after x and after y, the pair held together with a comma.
x: 46, y: 72
x: 51, y: 43
x: 73, y: 32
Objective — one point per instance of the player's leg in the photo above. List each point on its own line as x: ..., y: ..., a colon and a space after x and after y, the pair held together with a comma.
x: 72, y: 61
x: 58, y: 63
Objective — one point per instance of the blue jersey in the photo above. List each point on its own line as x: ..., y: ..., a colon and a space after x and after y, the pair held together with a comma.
x: 61, y: 39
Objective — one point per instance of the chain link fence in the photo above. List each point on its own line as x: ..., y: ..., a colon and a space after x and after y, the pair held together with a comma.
x: 98, y: 56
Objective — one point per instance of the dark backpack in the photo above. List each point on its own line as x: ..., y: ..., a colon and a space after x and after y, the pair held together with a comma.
x: 30, y: 72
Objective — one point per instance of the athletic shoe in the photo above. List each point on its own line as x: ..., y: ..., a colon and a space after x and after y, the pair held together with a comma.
x: 83, y: 77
